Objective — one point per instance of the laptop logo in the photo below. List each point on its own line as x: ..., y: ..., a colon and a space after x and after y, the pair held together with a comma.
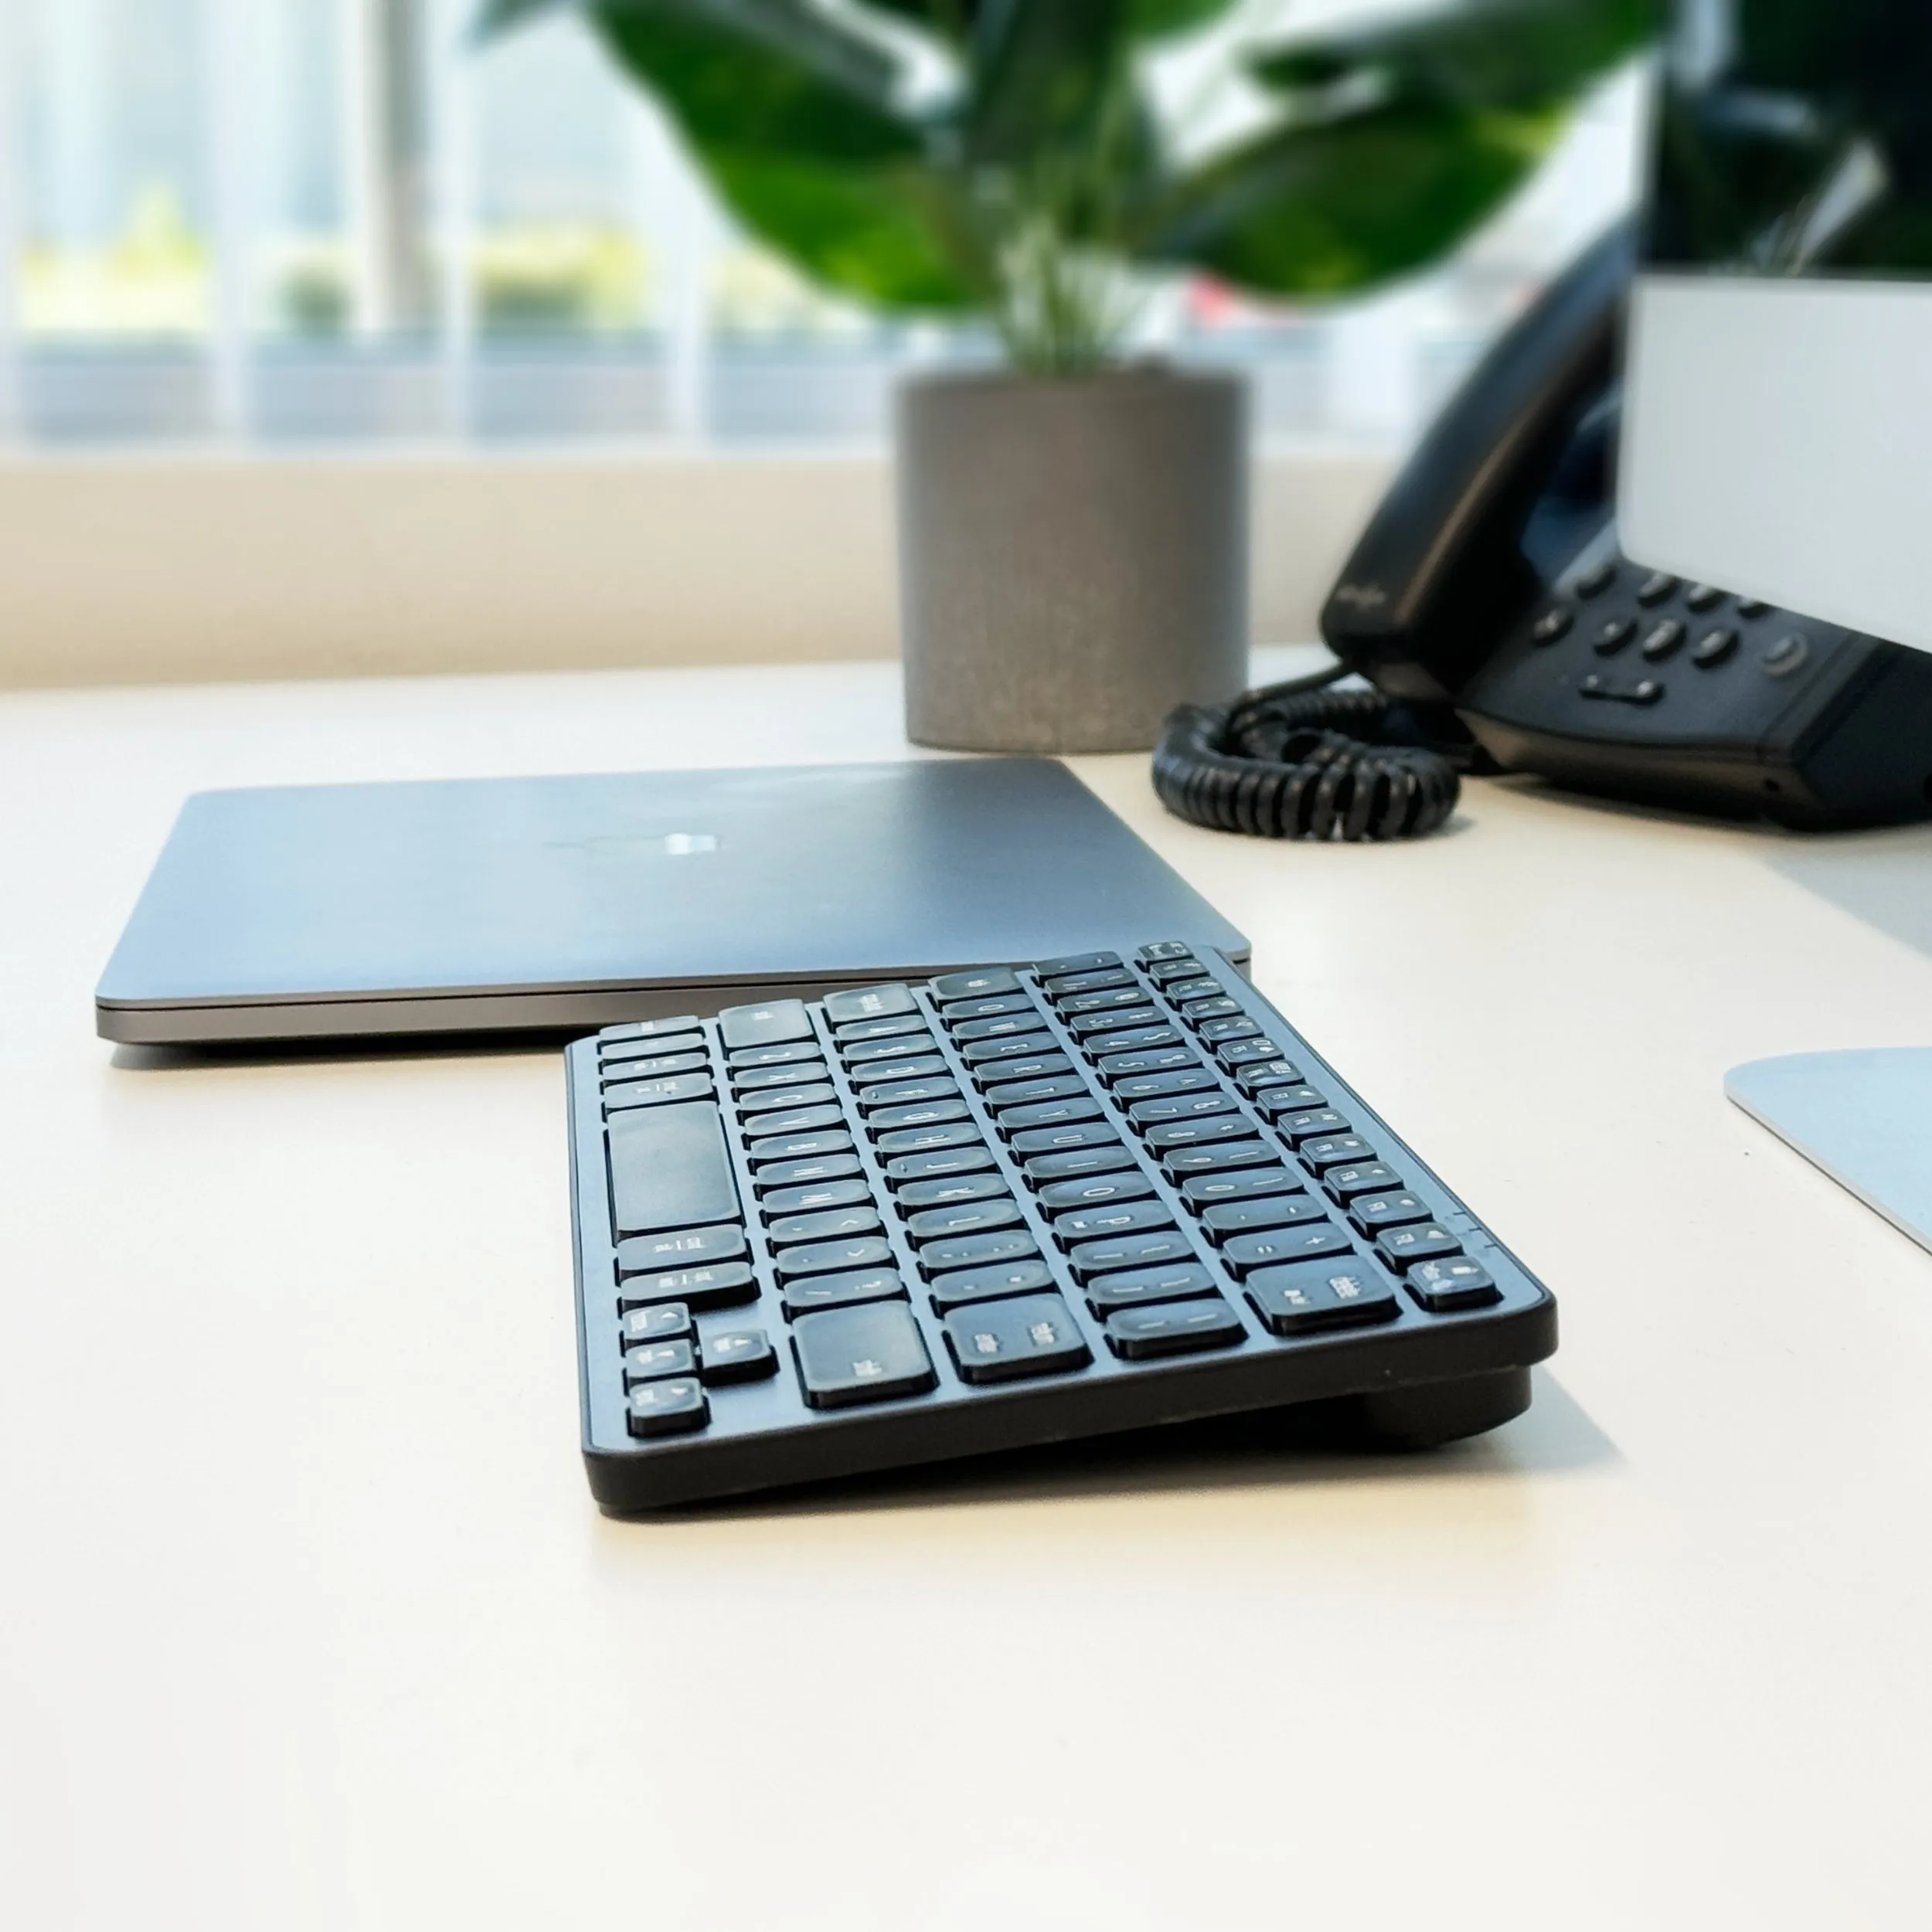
x: 646, y: 845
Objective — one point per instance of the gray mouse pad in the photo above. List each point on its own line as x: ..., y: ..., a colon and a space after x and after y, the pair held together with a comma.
x: 1863, y: 1114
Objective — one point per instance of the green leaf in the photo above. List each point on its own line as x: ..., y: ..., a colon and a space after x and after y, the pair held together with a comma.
x: 1042, y: 73
x: 1492, y: 53
x: 870, y: 234
x: 1154, y: 20
x: 761, y: 77
x: 1324, y: 211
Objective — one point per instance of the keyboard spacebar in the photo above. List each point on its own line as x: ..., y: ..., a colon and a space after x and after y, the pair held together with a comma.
x: 670, y: 1169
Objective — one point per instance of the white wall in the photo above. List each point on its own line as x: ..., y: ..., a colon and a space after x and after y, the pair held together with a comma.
x: 133, y: 570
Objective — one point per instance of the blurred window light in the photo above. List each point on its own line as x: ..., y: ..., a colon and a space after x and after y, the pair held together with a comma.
x: 289, y: 224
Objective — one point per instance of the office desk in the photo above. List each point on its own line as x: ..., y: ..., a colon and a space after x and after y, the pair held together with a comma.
x: 309, y: 1621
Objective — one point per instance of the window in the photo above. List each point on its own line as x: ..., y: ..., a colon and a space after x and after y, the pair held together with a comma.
x: 290, y: 224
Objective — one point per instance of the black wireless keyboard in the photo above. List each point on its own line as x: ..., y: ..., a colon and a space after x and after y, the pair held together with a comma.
x: 1008, y: 1207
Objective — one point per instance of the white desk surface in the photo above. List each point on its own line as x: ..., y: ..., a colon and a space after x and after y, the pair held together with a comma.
x: 307, y: 1621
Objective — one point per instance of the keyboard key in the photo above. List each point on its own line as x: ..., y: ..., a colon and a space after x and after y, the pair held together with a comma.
x: 1106, y: 1000
x: 656, y: 1066
x: 657, y: 1092
x: 775, y: 1100
x: 795, y: 1053
x: 989, y: 981
x: 1225, y: 1158
x: 1258, y: 1052
x: 655, y: 1360
x: 906, y: 1072
x: 1035, y: 1335
x: 869, y: 1003
x: 813, y: 1200
x: 966, y: 1217
x: 1195, y: 1079
x: 907, y: 1093
x: 993, y: 1009
x: 682, y: 1248
x: 668, y: 1321
x: 792, y: 1120
x: 765, y: 1079
x: 647, y: 1029
x: 1034, y: 1067
x: 1272, y: 1102
x: 1094, y: 1026
x: 964, y: 1285
x: 871, y: 1052
x: 1186, y: 1134
x: 940, y: 1165
x: 738, y: 1354
x: 1000, y: 1026
x: 1075, y: 963
x: 1163, y: 949
x: 1032, y: 1093
x: 772, y: 1024
x: 977, y: 1251
x: 1452, y: 1282
x: 871, y: 1353
x: 667, y: 1408
x: 1113, y: 1158
x: 1178, y: 1329
x: 1313, y: 1125
x: 885, y: 1125
x: 1096, y: 1192
x: 868, y: 1033
x: 930, y: 1140
x: 1068, y: 984
x: 1141, y: 1287
x: 1401, y: 1247
x: 781, y: 1176
x: 789, y: 1149
x: 832, y: 1257
x: 1096, y: 1223
x: 970, y: 1187
x: 1372, y: 1213
x: 1336, y: 1150
x: 1231, y: 1218
x: 1206, y: 1191
x: 1067, y: 1112
x: 728, y: 1285
x: 1180, y: 1107
x: 1139, y: 1039
x: 1116, y: 1067
x: 844, y: 1290
x: 1117, y: 1256
x: 1224, y: 1032
x: 1277, y: 1247
x: 830, y: 1225
x: 669, y: 1168
x: 1274, y: 1073
x: 1053, y: 1140
x: 1361, y: 1177
x: 1198, y: 1013
x: 1165, y: 972
x: 980, y: 1052
x: 1293, y: 1301
x: 1198, y: 989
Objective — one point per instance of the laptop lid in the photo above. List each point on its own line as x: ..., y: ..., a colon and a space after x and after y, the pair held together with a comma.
x: 492, y: 905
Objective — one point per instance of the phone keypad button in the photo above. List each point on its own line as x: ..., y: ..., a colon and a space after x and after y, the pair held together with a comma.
x: 1612, y: 636
x: 1663, y: 641
x: 1656, y: 587
x: 1597, y: 579
x: 1714, y: 647
x: 1787, y: 655
x: 1553, y: 624
x: 1702, y: 598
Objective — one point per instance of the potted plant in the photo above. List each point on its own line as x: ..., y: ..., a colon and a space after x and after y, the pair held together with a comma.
x: 1072, y: 528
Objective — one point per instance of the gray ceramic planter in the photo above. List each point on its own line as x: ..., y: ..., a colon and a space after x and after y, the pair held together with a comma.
x: 1072, y: 555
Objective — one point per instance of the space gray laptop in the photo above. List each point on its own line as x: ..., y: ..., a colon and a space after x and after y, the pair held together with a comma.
x: 479, y: 906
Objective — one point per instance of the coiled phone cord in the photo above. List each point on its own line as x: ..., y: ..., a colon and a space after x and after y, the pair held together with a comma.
x: 1300, y: 760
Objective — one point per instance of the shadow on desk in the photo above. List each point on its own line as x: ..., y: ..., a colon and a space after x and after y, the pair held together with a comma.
x: 375, y: 1047
x: 1555, y: 1436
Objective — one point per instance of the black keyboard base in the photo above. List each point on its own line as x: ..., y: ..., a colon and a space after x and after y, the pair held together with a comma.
x: 1468, y: 1398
